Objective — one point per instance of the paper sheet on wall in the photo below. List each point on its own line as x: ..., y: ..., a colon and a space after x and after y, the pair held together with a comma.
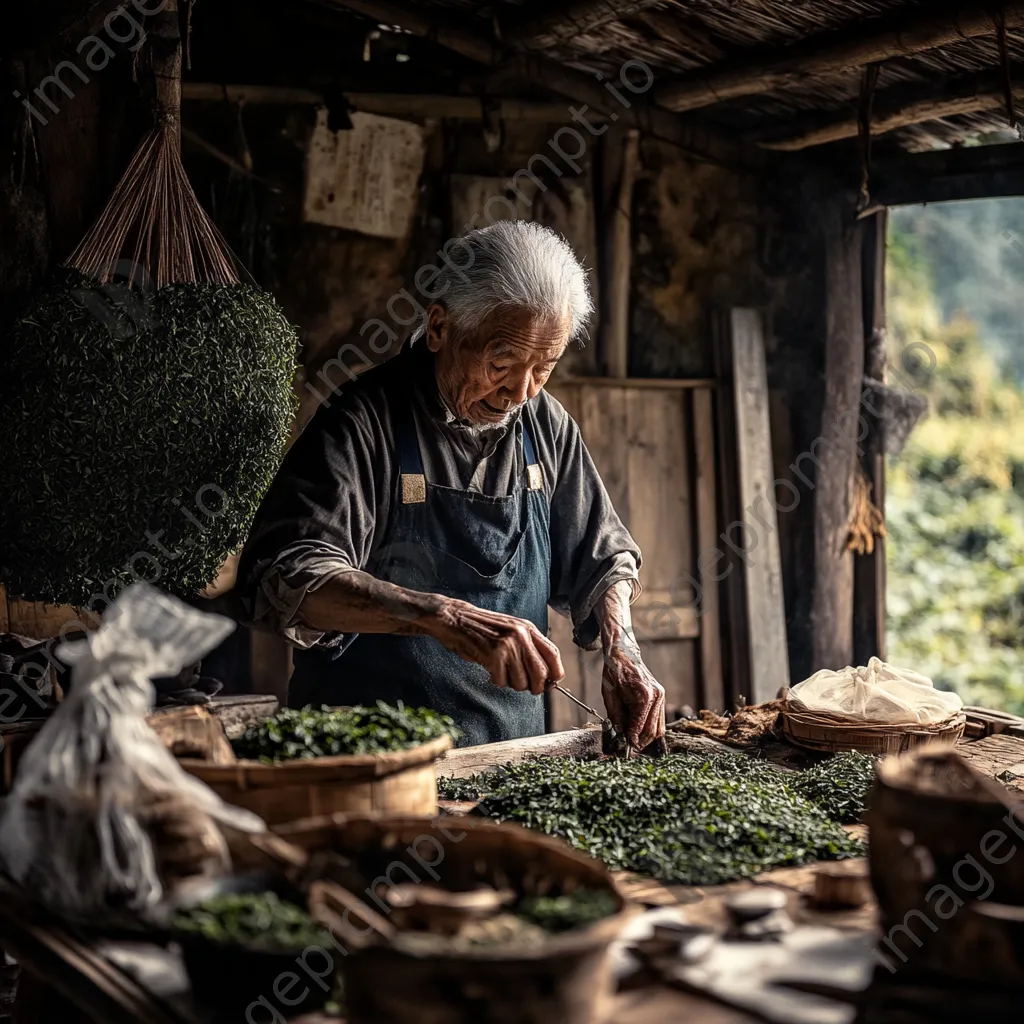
x: 364, y: 179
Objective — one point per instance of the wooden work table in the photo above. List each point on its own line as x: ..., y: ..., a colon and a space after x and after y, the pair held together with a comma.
x: 76, y: 979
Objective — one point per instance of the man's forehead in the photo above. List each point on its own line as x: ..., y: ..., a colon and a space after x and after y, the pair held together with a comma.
x: 526, y: 336
x: 527, y: 350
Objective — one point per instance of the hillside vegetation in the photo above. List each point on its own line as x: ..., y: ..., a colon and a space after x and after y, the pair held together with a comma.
x: 955, y: 498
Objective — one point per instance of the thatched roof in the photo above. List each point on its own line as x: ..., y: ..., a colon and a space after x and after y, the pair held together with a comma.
x: 942, y: 84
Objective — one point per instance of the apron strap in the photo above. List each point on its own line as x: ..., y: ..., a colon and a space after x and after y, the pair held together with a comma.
x: 414, y: 482
x: 534, y: 470
x: 413, y: 479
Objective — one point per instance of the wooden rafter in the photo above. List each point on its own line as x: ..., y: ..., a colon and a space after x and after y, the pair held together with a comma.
x: 628, y: 108
x: 898, y: 107
x: 872, y: 41
x: 571, y: 18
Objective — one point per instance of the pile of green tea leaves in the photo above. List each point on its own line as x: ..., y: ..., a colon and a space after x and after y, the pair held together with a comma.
x: 576, y: 909
x: 141, y: 430
x: 839, y: 786
x: 258, y: 920
x: 329, y: 732
x: 686, y: 818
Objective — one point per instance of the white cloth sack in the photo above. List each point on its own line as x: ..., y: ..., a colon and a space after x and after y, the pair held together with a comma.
x: 877, y: 692
x: 70, y: 830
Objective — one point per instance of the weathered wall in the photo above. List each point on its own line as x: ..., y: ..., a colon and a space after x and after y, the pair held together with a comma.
x: 696, y: 231
x: 706, y: 239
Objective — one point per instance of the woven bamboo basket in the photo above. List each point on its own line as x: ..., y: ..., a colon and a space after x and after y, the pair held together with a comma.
x: 401, y: 782
x: 820, y: 730
x: 564, y: 979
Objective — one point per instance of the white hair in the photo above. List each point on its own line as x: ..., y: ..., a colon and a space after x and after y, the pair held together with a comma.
x: 514, y: 264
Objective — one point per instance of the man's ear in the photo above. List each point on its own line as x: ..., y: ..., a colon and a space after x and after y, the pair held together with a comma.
x: 438, y: 327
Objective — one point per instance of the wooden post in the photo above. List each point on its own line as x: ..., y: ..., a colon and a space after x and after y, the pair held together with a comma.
x: 753, y: 538
x: 615, y: 336
x: 869, y: 570
x: 271, y: 665
x: 733, y: 590
x: 712, y: 683
x: 165, y: 40
x: 835, y: 451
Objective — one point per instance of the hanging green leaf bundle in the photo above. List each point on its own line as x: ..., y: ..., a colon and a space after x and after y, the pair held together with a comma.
x: 138, y: 447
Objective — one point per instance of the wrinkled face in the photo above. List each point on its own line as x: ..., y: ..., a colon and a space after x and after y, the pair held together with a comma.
x: 486, y: 375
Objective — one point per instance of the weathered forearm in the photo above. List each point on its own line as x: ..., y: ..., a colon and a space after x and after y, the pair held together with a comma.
x: 356, y: 602
x: 612, y: 612
x: 514, y: 652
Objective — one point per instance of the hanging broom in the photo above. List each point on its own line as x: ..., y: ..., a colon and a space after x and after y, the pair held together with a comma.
x: 153, y: 222
x: 146, y: 397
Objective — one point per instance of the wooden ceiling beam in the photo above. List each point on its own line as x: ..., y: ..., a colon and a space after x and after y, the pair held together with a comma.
x: 445, y: 33
x: 894, y: 108
x: 389, y: 104
x: 972, y: 172
x: 569, y: 19
x: 877, y: 40
x: 706, y: 142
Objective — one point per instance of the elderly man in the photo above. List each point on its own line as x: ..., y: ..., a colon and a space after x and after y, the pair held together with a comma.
x: 422, y: 524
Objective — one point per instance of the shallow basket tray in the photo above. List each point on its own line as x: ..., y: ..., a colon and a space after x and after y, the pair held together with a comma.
x: 820, y: 730
x: 397, y: 782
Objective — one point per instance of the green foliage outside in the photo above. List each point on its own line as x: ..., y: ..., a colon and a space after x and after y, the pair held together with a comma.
x: 955, y: 496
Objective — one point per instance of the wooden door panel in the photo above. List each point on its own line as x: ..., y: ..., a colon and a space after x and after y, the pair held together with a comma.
x: 640, y: 437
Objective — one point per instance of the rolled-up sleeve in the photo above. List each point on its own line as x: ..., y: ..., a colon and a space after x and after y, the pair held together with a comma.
x: 590, y: 547
x: 318, y: 519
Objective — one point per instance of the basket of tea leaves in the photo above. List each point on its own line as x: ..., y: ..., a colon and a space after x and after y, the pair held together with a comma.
x: 238, y: 936
x: 461, y: 920
x: 315, y: 761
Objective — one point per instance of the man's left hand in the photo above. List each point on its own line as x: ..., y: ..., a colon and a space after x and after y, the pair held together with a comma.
x: 634, y: 699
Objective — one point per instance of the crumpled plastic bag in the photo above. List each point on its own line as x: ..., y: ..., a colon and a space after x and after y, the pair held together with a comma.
x: 877, y: 692
x: 75, y: 829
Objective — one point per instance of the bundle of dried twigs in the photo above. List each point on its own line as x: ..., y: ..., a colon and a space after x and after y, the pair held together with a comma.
x: 153, y: 226
x: 154, y: 221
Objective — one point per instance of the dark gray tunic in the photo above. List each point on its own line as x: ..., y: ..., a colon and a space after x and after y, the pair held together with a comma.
x: 328, y: 507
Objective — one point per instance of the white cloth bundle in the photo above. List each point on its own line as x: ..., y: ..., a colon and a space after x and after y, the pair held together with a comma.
x: 72, y: 830
x: 877, y: 692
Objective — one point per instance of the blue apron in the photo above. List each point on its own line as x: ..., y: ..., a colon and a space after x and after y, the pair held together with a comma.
x: 492, y: 552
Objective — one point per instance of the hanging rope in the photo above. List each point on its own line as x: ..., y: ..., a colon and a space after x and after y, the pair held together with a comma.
x: 999, y: 19
x: 867, y: 98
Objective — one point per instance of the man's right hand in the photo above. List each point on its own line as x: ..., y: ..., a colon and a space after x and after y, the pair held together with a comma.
x: 514, y: 651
